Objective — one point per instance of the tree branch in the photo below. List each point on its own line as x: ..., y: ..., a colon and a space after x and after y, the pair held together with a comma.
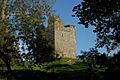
x: 4, y: 5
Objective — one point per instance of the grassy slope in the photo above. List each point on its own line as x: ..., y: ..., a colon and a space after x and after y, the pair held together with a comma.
x: 64, y: 69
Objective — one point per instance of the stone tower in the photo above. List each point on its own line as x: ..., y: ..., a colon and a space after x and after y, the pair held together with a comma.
x: 61, y: 37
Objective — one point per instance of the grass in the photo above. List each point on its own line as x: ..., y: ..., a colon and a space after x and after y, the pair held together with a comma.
x: 61, y: 70
x: 64, y: 69
x: 64, y: 65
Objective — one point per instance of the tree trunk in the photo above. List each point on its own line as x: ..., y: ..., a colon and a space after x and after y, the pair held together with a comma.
x: 8, y: 66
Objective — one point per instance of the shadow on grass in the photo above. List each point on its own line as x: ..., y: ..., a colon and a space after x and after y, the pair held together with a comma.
x: 38, y: 75
x: 68, y: 74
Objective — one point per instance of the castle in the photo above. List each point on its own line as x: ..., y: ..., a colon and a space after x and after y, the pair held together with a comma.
x: 62, y: 38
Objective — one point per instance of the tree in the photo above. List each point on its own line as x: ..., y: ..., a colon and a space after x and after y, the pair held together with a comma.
x: 18, y: 21
x: 41, y: 49
x: 95, y: 60
x: 105, y: 16
x: 30, y: 27
x: 7, y: 47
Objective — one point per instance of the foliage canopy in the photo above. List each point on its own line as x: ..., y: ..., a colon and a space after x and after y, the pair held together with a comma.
x: 19, y: 20
x: 105, y: 16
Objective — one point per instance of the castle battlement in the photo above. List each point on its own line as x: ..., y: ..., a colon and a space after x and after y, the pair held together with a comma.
x: 62, y: 38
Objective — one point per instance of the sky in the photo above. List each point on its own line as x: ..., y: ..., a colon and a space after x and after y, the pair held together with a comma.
x: 85, y: 38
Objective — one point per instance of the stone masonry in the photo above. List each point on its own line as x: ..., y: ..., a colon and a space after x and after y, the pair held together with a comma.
x: 61, y: 37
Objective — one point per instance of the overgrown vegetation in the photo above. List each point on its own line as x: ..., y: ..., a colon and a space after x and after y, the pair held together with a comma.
x: 26, y: 55
x: 21, y: 28
x: 104, y: 15
x: 65, y: 69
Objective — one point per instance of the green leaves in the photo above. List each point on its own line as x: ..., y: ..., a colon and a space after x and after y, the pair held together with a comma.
x: 19, y: 21
x: 105, y: 16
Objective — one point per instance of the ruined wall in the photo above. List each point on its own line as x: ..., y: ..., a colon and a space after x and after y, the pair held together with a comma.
x: 62, y: 37
x: 49, y: 32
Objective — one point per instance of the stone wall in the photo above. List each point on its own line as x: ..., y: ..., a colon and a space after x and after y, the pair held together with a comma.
x: 61, y: 37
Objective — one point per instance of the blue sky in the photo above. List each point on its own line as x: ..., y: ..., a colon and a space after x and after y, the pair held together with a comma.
x: 85, y: 38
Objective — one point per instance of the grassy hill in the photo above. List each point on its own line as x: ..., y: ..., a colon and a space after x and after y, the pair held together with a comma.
x: 64, y: 69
